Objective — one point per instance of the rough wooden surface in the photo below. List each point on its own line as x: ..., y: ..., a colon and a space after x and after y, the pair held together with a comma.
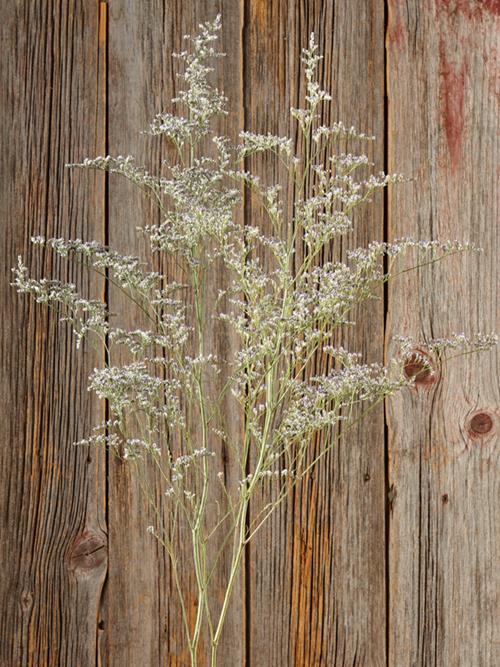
x: 345, y: 573
x: 317, y: 570
x: 52, y: 497
x: 142, y: 81
x: 444, y: 465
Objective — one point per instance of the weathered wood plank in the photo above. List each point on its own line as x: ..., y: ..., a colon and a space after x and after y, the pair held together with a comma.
x: 143, y: 614
x: 444, y: 462
x: 317, y: 570
x: 51, y: 493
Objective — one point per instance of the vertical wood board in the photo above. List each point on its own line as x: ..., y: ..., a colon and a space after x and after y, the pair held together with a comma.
x: 142, y: 601
x: 317, y: 569
x: 53, y: 533
x: 444, y: 463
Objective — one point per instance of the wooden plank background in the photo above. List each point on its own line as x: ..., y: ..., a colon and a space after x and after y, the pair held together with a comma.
x: 389, y: 554
x: 444, y: 530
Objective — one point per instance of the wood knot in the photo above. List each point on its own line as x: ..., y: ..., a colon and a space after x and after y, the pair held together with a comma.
x: 479, y: 425
x: 26, y: 600
x: 445, y: 498
x: 88, y: 552
x: 420, y: 368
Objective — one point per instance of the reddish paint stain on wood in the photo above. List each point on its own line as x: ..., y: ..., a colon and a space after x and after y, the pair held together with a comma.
x: 396, y: 33
x: 452, y: 84
x: 493, y: 6
x: 470, y: 9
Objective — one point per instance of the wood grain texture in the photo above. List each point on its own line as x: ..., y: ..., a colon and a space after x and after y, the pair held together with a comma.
x: 444, y: 463
x: 316, y: 581
x: 53, y: 533
x: 314, y: 590
x: 143, y: 614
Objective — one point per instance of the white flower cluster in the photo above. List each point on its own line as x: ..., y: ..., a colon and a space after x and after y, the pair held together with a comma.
x: 185, y: 460
x: 337, y: 130
x: 133, y: 448
x: 329, y: 292
x: 479, y: 342
x: 138, y: 341
x: 176, y: 128
x: 106, y: 433
x: 100, y: 439
x: 257, y: 143
x: 377, y: 249
x: 314, y: 93
x: 265, y: 474
x: 124, y: 166
x: 126, y: 269
x: 283, y: 310
x: 84, y: 315
x: 179, y: 470
x: 200, y: 97
x: 201, y: 209
x: 318, y: 403
x: 132, y: 388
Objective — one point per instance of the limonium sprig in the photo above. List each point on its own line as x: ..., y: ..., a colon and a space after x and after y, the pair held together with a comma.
x: 171, y: 396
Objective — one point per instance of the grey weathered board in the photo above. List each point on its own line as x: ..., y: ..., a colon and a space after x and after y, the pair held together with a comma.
x: 444, y: 465
x: 389, y: 553
x: 53, y: 496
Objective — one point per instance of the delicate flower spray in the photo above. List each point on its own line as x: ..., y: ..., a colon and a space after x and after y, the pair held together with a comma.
x: 283, y: 305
